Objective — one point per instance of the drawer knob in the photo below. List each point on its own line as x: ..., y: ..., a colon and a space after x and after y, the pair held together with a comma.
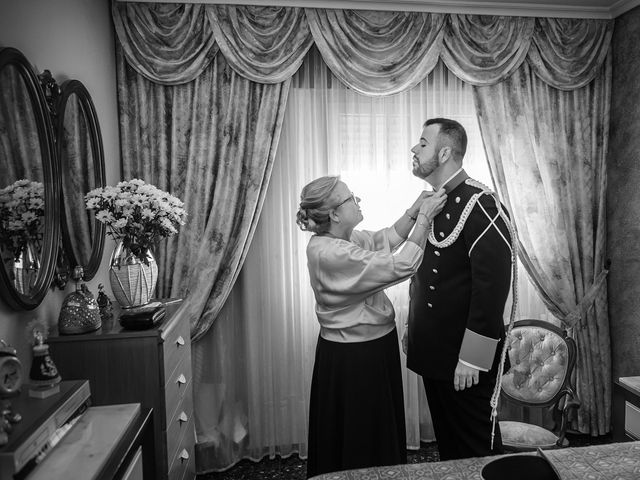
x: 184, y: 455
x: 181, y: 379
x: 180, y: 341
x: 182, y: 418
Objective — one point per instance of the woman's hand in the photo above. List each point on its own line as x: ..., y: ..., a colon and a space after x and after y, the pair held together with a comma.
x: 415, y: 208
x: 433, y: 204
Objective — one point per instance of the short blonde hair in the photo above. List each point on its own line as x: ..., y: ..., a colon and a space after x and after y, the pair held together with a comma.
x: 313, y: 214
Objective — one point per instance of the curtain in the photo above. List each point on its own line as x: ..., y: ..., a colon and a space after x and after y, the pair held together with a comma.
x: 192, y: 125
x: 547, y: 149
x: 19, y: 133
x: 254, y: 370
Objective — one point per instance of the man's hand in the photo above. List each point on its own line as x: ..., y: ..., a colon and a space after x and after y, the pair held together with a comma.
x: 465, y: 377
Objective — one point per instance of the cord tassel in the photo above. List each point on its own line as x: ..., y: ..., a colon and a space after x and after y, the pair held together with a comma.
x: 495, y: 397
x: 493, y: 428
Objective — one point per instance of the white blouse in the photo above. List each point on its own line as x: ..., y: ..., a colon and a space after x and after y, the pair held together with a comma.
x: 349, y: 277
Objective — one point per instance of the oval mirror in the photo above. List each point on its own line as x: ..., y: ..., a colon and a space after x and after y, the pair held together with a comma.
x: 81, y: 157
x: 29, y: 189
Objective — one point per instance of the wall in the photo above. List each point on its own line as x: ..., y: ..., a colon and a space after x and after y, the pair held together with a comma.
x: 623, y: 202
x: 73, y: 39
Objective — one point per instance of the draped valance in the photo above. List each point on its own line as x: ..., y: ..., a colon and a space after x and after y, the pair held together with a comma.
x: 373, y: 52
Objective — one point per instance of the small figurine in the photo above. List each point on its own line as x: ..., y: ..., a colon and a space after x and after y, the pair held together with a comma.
x: 43, y: 373
x: 104, y: 304
x: 7, y: 418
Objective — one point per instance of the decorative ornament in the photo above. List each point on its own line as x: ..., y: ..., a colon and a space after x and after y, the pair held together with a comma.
x: 104, y: 304
x: 79, y: 312
x: 10, y: 383
x: 43, y: 373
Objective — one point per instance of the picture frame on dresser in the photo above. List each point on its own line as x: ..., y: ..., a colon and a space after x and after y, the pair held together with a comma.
x: 151, y: 367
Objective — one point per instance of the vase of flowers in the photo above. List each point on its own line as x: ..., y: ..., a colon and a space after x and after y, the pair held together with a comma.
x: 137, y: 215
x: 21, y: 214
x: 25, y: 268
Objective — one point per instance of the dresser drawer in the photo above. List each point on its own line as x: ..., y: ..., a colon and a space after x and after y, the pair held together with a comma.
x: 632, y: 420
x: 177, y: 345
x: 178, y: 384
x: 182, y: 421
x: 183, y: 463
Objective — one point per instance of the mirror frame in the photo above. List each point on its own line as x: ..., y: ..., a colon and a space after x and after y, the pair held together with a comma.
x: 70, y: 87
x: 51, y: 234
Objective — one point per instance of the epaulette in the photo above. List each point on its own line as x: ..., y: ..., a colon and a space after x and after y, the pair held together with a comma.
x: 453, y: 236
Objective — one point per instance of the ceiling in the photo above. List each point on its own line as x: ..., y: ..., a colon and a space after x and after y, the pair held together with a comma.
x: 604, y: 9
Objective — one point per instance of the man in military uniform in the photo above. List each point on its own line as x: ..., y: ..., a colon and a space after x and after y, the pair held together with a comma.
x: 455, y: 327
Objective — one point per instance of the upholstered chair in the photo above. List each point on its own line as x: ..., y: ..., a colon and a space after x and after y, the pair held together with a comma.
x: 542, y: 359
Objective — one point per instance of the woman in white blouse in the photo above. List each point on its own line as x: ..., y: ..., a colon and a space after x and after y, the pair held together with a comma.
x: 356, y: 413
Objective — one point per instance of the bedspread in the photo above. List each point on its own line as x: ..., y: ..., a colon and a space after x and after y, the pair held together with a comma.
x: 616, y: 461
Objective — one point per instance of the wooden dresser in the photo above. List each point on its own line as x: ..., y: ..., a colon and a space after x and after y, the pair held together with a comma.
x: 151, y: 367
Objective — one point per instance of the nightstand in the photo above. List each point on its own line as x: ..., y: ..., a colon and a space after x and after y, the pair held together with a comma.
x: 626, y: 409
x: 151, y: 367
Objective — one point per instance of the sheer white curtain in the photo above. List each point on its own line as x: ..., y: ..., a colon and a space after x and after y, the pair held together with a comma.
x: 253, y: 368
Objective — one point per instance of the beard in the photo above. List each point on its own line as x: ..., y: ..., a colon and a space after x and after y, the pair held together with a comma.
x: 426, y: 168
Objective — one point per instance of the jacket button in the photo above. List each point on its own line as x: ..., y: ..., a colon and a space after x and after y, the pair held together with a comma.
x: 435, y: 270
x: 436, y: 253
x: 431, y: 287
x: 429, y: 305
x: 448, y: 216
x: 457, y: 199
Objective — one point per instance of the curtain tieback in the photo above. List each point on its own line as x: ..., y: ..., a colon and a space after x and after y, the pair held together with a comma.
x: 572, y: 318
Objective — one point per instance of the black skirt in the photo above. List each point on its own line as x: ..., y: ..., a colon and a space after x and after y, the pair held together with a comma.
x: 356, y: 412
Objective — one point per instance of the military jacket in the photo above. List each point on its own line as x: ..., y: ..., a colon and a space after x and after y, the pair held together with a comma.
x: 459, y: 292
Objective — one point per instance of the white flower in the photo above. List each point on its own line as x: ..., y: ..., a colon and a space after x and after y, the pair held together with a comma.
x: 136, y: 212
x: 28, y: 216
x: 147, y: 213
x: 103, y: 216
x: 92, y: 203
x: 120, y: 223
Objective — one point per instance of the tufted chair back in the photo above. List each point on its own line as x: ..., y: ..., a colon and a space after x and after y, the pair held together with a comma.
x: 542, y: 359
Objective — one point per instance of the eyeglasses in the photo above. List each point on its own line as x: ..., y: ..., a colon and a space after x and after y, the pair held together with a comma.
x: 356, y: 200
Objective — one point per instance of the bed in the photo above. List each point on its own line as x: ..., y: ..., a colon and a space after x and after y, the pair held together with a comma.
x: 619, y: 461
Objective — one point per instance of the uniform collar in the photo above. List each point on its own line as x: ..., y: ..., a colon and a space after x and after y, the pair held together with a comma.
x: 453, y: 181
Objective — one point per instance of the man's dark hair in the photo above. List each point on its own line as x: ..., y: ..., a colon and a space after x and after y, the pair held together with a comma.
x: 454, y: 135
